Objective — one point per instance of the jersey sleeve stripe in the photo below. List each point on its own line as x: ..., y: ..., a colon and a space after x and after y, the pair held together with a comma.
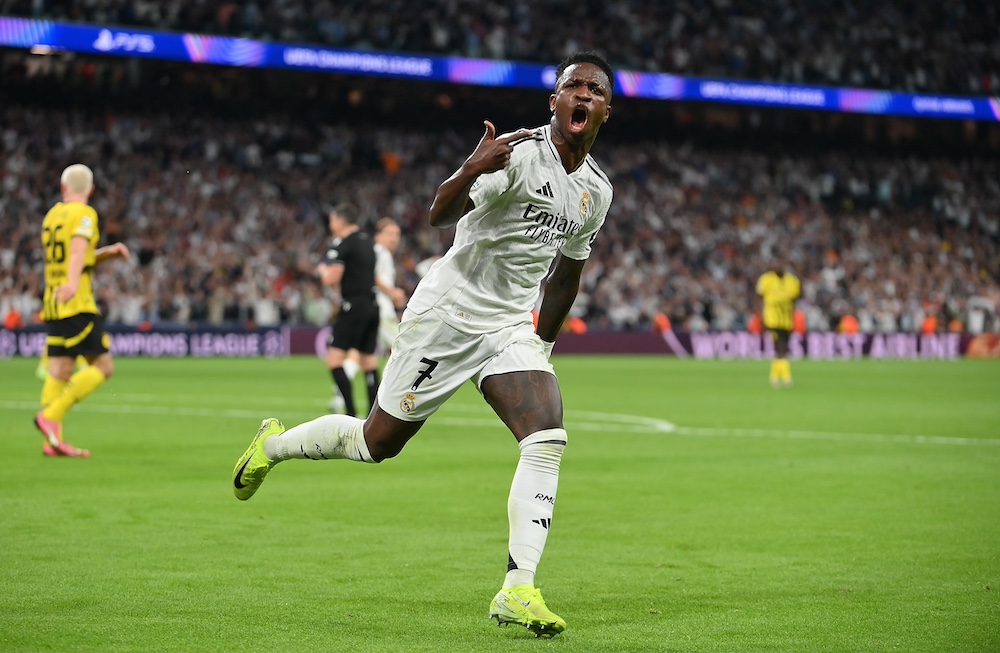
x: 534, y: 136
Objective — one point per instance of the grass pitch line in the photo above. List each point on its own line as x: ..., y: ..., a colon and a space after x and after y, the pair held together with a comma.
x: 610, y: 422
x: 126, y: 409
x: 603, y: 422
x: 834, y: 436
x: 575, y: 421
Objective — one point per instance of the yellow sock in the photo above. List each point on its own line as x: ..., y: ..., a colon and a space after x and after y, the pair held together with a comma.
x: 80, y: 385
x: 775, y: 370
x: 51, y: 389
x: 786, y: 370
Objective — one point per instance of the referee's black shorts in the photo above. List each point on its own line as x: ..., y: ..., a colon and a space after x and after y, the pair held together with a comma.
x: 80, y: 335
x: 356, y: 326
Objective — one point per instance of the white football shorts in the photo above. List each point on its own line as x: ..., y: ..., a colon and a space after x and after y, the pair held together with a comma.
x: 431, y: 359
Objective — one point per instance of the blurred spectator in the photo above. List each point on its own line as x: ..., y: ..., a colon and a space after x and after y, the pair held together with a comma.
x: 848, y: 324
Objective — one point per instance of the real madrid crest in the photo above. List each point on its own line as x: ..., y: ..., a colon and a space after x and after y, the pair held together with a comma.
x: 409, y: 403
x: 585, y: 204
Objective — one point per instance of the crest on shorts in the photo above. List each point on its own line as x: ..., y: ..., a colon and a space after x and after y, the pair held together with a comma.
x: 585, y: 204
x: 409, y: 403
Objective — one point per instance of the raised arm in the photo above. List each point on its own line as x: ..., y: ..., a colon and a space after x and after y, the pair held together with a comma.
x: 561, y: 289
x: 116, y: 250
x: 452, y: 201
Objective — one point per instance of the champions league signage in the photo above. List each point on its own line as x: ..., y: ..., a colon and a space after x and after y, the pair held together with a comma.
x: 824, y: 346
x: 740, y: 345
x: 43, y: 36
x: 730, y: 345
x: 152, y: 343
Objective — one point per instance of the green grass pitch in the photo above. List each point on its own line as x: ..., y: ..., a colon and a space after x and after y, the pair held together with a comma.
x: 699, y: 511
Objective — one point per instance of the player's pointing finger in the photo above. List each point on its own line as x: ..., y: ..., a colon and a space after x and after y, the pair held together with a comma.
x: 524, y: 133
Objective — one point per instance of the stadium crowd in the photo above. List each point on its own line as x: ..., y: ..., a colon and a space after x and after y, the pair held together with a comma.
x: 226, y: 221
x: 933, y: 47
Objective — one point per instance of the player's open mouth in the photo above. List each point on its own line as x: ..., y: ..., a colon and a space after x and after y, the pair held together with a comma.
x: 578, y: 120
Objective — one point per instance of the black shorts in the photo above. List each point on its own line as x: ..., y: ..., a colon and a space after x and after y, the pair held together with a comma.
x: 356, y: 327
x: 80, y: 335
x: 781, y: 337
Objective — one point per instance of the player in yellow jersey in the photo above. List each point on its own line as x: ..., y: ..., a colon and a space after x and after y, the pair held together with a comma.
x: 75, y: 326
x: 778, y: 290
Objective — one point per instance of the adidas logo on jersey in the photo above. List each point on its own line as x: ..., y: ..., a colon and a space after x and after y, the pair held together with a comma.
x: 545, y: 190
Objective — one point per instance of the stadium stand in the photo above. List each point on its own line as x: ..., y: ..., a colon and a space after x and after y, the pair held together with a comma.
x: 217, y: 178
x: 926, y: 47
x: 221, y: 240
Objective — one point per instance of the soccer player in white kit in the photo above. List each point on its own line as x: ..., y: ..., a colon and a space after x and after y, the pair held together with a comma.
x: 388, y: 295
x: 519, y: 201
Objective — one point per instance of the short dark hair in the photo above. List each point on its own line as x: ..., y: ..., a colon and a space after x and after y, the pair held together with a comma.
x: 348, y: 212
x: 587, y: 56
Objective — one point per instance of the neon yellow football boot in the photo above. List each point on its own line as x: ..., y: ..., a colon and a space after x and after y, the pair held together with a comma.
x: 253, y: 465
x: 524, y: 605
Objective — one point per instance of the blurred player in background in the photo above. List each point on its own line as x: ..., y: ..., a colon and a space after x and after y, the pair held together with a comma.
x: 520, y: 202
x: 350, y: 267
x: 778, y: 289
x: 389, y: 298
x: 75, y: 327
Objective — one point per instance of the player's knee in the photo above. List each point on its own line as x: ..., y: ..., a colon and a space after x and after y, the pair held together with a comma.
x: 105, y: 364
x: 61, y: 368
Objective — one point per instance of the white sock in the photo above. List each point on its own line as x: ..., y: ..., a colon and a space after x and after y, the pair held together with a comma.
x: 325, y: 438
x: 351, y: 368
x: 531, y: 502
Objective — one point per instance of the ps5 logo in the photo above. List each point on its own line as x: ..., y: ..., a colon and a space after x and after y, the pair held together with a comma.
x: 108, y: 41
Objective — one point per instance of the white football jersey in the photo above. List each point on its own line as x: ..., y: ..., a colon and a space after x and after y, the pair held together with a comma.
x: 385, y: 270
x: 524, y: 214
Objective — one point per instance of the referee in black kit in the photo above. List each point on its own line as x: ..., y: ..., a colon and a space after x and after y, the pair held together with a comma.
x: 350, y: 266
